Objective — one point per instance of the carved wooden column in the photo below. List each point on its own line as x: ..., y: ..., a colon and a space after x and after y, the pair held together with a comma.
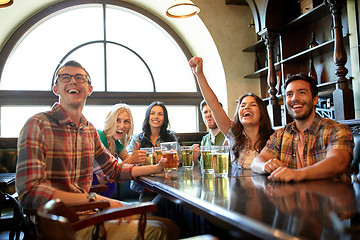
x: 343, y: 95
x: 273, y: 108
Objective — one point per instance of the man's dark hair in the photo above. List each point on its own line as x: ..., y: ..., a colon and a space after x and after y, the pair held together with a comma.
x: 71, y: 63
x: 301, y: 76
x: 203, y: 103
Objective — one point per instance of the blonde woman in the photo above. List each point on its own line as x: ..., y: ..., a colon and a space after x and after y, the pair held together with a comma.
x: 118, y: 129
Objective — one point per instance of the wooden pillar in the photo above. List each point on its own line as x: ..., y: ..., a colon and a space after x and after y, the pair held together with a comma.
x: 343, y: 96
x: 273, y: 107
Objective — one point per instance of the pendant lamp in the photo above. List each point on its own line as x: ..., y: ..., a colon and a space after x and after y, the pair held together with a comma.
x: 6, y: 3
x: 182, y: 9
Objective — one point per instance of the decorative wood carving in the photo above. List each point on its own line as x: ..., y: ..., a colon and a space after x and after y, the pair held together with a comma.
x: 343, y: 95
x: 274, y: 108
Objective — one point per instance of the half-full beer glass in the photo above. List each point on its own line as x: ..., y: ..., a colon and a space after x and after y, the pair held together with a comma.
x: 169, y: 151
x: 206, y: 160
x: 220, y: 158
x: 149, y: 156
x: 186, y: 156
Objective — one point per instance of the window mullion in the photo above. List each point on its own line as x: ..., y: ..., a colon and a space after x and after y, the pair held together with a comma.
x: 105, y: 51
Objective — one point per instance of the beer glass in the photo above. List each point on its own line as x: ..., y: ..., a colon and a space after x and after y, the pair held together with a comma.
x: 186, y: 156
x: 206, y: 161
x: 157, y: 155
x: 149, y: 156
x: 220, y: 158
x: 169, y: 151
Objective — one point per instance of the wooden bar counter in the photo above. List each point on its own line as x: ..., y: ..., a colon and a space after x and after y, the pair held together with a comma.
x: 249, y: 206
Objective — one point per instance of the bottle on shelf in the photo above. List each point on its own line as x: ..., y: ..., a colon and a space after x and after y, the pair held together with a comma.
x: 312, y: 71
x: 313, y: 42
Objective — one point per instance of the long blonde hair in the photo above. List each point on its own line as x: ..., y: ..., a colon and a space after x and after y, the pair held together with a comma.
x: 110, y: 126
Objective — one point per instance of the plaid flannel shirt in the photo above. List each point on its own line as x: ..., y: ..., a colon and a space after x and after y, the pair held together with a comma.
x: 322, y: 136
x: 53, y: 153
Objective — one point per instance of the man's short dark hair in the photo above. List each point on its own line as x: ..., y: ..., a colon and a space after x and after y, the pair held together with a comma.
x: 203, y: 103
x: 71, y: 63
x: 301, y: 76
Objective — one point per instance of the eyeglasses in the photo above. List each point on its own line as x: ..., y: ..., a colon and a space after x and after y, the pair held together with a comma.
x: 79, y: 78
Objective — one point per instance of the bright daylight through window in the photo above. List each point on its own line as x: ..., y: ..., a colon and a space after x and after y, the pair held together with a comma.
x: 138, y: 56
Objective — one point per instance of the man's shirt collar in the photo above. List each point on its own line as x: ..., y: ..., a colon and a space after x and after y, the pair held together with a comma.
x: 61, y: 116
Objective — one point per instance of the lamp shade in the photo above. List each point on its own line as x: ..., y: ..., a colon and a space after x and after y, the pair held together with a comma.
x: 5, y: 3
x: 182, y: 9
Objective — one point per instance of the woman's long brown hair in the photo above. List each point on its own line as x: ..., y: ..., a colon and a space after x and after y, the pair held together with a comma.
x: 265, y: 129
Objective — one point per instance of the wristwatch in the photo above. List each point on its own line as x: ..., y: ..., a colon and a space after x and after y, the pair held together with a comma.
x: 92, y: 196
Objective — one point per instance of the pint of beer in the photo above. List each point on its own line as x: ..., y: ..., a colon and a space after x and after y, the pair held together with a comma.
x: 220, y: 158
x: 186, y: 156
x: 149, y: 156
x: 172, y: 160
x: 206, y: 160
x: 169, y: 151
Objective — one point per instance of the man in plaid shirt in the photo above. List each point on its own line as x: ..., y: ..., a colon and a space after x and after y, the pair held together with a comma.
x: 311, y: 147
x: 56, y: 152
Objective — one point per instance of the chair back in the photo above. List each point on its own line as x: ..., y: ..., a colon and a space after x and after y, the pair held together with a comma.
x: 57, y: 220
x: 354, y: 125
x: 16, y: 223
x: 54, y: 221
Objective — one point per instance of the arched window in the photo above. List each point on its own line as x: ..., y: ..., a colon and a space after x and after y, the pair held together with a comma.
x: 131, y: 55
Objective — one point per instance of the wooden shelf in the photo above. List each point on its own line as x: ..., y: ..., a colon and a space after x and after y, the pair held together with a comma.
x: 311, y: 52
x: 292, y: 29
x: 319, y: 50
x: 258, y: 73
x: 326, y: 89
x: 303, y: 20
x: 236, y: 2
x: 325, y: 47
x: 259, y: 45
x: 262, y: 72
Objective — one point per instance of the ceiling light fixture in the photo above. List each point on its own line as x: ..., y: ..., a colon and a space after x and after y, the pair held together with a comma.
x: 182, y: 9
x: 6, y: 3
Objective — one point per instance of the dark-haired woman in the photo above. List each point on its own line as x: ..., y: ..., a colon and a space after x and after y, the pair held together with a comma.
x: 154, y: 128
x: 154, y: 131
x: 250, y: 128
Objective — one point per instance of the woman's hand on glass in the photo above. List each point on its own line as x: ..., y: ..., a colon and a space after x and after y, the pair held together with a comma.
x: 160, y: 166
x: 138, y: 156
